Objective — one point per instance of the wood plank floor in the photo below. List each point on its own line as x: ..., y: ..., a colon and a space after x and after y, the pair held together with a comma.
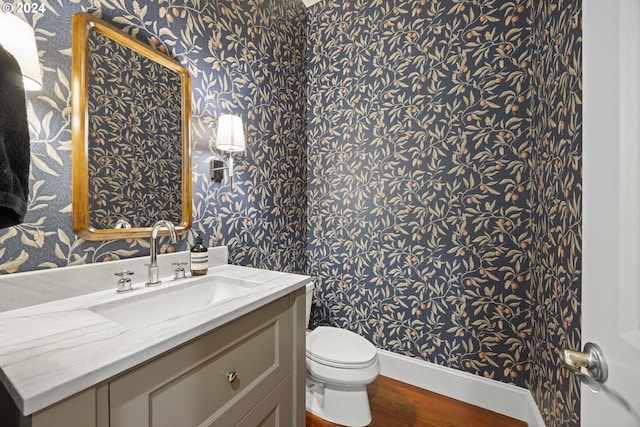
x: 396, y: 404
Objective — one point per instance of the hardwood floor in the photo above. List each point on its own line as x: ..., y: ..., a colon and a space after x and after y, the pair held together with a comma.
x: 396, y: 404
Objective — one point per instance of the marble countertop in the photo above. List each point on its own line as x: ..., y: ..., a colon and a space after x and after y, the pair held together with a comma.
x: 51, y: 351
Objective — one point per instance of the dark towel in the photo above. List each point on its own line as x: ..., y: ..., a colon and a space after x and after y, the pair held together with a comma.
x: 14, y: 143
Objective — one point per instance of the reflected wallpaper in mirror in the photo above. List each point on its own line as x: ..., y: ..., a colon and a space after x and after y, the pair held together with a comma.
x: 134, y: 138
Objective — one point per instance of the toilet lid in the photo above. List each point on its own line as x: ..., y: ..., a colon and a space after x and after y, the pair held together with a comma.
x: 340, y: 348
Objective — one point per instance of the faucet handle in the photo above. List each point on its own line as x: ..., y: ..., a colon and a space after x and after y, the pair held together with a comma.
x: 124, y: 283
x: 178, y: 273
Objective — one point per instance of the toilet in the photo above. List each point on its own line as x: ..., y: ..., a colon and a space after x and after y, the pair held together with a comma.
x: 340, y: 364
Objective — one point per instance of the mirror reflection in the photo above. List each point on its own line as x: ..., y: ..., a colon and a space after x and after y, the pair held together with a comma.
x: 131, y: 142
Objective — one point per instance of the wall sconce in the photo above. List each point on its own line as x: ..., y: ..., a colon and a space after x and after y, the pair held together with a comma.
x: 229, y: 139
x: 18, y: 38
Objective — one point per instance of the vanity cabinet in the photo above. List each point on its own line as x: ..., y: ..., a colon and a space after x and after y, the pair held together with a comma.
x: 249, y: 372
x: 212, y: 381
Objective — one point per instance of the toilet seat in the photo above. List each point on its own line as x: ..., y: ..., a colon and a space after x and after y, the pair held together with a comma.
x: 340, y: 376
x: 339, y: 348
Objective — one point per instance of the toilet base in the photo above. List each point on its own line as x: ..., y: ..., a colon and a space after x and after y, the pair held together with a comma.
x: 339, y: 404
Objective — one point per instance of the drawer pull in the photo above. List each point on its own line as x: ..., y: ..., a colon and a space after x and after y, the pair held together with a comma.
x: 232, y: 376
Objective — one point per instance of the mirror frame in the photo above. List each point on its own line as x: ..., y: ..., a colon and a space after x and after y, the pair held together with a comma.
x: 82, y: 24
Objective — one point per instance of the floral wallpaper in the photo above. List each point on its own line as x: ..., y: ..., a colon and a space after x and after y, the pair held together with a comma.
x: 245, y: 58
x: 134, y: 142
x: 419, y: 179
x: 444, y: 183
x: 556, y: 164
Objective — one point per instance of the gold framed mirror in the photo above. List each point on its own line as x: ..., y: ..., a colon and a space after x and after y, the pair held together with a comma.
x: 130, y: 135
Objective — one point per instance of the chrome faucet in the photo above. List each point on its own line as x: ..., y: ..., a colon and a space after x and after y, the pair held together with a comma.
x: 122, y: 223
x: 154, y: 271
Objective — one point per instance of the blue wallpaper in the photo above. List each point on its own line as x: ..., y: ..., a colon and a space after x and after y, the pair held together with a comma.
x: 440, y: 181
x: 134, y: 137
x: 245, y: 58
x: 556, y: 45
x: 419, y: 181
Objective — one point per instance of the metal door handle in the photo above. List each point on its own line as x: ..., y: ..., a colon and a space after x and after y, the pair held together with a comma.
x: 589, y: 364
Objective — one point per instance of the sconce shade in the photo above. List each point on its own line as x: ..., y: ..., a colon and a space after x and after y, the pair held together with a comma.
x: 230, y: 136
x: 17, y: 37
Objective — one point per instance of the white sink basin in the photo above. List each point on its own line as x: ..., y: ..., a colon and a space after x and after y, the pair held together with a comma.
x: 139, y: 310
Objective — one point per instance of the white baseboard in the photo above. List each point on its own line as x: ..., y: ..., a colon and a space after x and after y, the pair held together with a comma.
x: 506, y: 399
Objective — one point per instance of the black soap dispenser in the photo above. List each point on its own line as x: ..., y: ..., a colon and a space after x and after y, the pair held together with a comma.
x: 199, y: 258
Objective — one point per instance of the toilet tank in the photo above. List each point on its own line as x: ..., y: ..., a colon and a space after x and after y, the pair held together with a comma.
x: 307, y: 306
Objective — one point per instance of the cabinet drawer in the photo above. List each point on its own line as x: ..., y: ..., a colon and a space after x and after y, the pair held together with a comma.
x: 190, y: 385
x: 274, y: 410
